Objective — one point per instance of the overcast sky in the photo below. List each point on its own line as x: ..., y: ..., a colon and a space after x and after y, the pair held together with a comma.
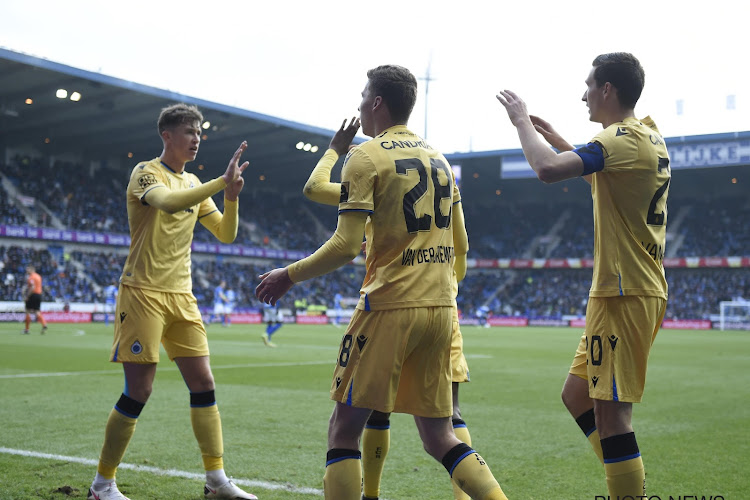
x: 306, y: 60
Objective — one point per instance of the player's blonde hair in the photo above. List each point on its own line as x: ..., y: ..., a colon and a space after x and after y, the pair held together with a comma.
x: 178, y: 114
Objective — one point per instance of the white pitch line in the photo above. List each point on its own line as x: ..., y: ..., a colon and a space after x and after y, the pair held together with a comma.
x: 167, y: 368
x: 251, y: 483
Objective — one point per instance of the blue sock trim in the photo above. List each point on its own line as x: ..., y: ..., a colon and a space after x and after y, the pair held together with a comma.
x: 621, y: 459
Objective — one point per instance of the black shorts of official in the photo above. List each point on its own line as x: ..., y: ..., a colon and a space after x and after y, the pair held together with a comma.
x: 34, y: 302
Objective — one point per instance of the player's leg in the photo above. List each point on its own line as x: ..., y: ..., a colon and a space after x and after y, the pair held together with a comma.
x: 376, y: 442
x: 343, y: 475
x: 459, y: 375
x: 575, y: 397
x: 40, y: 319
x: 185, y: 342
x: 624, y: 329
x: 136, y: 344
x: 461, y: 431
x: 26, y: 320
x: 465, y: 466
x: 120, y: 428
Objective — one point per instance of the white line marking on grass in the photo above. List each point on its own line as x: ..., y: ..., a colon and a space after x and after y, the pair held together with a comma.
x: 166, y: 368
x: 251, y: 483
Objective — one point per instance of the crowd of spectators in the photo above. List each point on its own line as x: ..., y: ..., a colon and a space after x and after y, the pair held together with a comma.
x: 94, y: 200
x: 694, y: 293
x: 61, y: 280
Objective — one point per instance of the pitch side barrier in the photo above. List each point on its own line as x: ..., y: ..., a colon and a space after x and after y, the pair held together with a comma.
x: 54, y: 312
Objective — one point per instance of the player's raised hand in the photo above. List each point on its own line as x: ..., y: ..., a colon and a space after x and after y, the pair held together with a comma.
x: 234, y: 169
x: 514, y: 105
x: 344, y: 136
x: 273, y: 285
x: 550, y: 134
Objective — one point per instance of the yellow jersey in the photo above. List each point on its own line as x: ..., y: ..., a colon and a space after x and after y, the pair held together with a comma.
x: 630, y: 187
x: 409, y: 190
x: 159, y: 256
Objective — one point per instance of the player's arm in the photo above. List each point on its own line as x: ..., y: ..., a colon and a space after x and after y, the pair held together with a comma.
x: 163, y: 198
x: 339, y: 250
x: 554, y: 138
x: 548, y: 165
x: 222, y: 225
x: 319, y: 187
x: 460, y: 241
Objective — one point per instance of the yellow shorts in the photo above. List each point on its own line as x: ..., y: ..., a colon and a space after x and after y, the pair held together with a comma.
x: 459, y: 367
x: 613, y: 352
x: 145, y: 318
x: 397, y: 360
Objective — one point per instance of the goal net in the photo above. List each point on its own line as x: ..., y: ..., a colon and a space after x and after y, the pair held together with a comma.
x: 734, y: 315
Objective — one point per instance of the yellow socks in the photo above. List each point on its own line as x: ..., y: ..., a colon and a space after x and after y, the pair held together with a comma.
x: 472, y: 474
x: 462, y: 433
x: 204, y: 415
x: 376, y: 441
x: 623, y: 466
x: 343, y: 476
x: 587, y: 423
x: 117, y: 434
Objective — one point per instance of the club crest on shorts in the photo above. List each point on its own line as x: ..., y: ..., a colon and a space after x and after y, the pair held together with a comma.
x: 136, y: 348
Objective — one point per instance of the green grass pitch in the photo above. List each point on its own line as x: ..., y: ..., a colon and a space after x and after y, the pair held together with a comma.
x: 56, y: 391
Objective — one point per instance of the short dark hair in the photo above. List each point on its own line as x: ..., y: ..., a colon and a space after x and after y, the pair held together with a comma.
x: 177, y: 114
x: 624, y: 72
x: 398, y: 88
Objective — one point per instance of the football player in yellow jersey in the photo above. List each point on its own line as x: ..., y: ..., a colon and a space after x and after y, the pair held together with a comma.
x: 156, y: 304
x: 376, y: 437
x: 627, y: 165
x: 395, y: 354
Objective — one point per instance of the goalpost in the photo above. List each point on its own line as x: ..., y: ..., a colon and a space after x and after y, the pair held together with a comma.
x: 734, y: 314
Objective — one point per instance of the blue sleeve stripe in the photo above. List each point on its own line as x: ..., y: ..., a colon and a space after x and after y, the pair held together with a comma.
x: 592, y: 155
x: 459, y: 201
x: 209, y: 213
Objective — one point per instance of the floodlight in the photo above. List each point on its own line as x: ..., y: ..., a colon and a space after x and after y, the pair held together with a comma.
x: 61, y: 93
x: 75, y: 96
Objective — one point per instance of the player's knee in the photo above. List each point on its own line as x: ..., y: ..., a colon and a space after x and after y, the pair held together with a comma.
x: 379, y: 419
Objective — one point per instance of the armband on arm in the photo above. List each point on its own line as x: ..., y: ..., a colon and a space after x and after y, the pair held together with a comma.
x: 592, y: 156
x: 175, y: 201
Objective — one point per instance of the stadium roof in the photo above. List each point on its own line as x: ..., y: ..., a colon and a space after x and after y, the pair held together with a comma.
x: 115, y: 117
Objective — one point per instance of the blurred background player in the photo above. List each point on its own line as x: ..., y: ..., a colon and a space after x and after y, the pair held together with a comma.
x: 229, y: 307
x: 337, y: 308
x: 399, y: 192
x: 274, y: 320
x: 220, y: 301
x: 110, y: 300
x: 32, y: 296
x: 483, y: 315
x: 376, y: 437
x: 156, y: 305
x: 627, y: 165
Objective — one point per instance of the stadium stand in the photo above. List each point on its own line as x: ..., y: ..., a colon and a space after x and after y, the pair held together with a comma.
x: 75, y: 183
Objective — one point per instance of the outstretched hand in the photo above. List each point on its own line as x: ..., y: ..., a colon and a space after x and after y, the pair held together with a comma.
x: 514, y: 105
x: 344, y: 136
x: 233, y: 175
x: 550, y: 134
x: 273, y: 285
